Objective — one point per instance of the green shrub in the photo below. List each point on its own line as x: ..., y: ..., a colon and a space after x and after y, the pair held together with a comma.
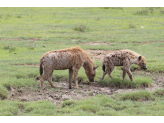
x: 10, y: 48
x: 132, y: 25
x: 80, y: 28
x: 3, y: 92
x: 142, y: 12
x: 162, y: 11
x: 69, y: 103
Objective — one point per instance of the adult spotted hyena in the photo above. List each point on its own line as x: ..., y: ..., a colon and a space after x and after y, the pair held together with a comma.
x: 123, y: 58
x: 71, y: 59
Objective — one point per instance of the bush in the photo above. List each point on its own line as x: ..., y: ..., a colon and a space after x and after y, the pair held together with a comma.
x: 142, y: 12
x: 10, y: 48
x: 80, y: 28
x: 161, y: 11
x: 132, y: 25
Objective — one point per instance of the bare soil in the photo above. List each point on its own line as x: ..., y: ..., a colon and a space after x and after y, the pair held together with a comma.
x: 98, y: 54
x: 62, y: 93
x: 20, y: 39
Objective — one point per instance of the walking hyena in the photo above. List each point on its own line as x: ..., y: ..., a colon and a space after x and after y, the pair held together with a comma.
x: 71, y: 59
x: 123, y: 58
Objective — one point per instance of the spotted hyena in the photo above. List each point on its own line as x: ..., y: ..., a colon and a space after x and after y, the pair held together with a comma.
x: 123, y: 58
x: 72, y: 59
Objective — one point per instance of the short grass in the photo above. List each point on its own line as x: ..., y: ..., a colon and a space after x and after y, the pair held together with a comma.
x: 28, y: 33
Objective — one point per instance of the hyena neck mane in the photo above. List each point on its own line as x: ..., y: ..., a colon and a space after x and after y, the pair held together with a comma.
x: 88, y: 64
x: 133, y: 56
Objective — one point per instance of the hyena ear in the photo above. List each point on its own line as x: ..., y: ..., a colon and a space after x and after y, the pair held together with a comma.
x: 95, y: 67
x: 139, y: 58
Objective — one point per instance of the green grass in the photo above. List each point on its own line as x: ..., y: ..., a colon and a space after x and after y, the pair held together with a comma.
x: 28, y: 33
x: 159, y: 93
x: 136, y: 96
x: 117, y: 82
x: 100, y: 105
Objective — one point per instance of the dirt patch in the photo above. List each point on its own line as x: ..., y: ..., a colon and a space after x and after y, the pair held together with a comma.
x: 36, y: 65
x: 19, y: 39
x: 98, y: 54
x: 62, y: 93
x: 150, y: 42
x: 58, y: 94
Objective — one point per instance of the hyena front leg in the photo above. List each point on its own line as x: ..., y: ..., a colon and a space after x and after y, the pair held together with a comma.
x: 124, y: 74
x: 126, y: 69
x: 75, y: 71
x: 70, y: 78
x: 130, y: 75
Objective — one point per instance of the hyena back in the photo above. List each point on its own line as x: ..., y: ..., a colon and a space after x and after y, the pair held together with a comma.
x: 123, y: 58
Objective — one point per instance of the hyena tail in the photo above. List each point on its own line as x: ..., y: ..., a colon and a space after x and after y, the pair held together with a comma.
x: 103, y: 67
x: 41, y: 71
x: 41, y: 68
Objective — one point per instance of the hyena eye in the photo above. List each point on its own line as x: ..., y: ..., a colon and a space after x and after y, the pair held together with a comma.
x: 142, y: 63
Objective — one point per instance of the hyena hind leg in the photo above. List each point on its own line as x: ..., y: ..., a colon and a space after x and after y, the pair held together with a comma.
x: 110, y: 71
x: 50, y: 80
x: 104, y: 73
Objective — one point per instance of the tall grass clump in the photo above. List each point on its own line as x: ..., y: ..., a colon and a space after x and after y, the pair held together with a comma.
x: 142, y: 12
x: 136, y: 96
x: 10, y: 48
x: 3, y: 92
x: 80, y: 28
x: 132, y: 25
x: 117, y: 82
x: 159, y: 93
x: 161, y: 11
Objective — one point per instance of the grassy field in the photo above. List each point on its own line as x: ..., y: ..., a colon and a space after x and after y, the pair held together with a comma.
x: 28, y: 33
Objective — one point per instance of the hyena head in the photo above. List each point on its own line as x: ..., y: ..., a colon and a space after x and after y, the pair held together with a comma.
x: 92, y: 74
x: 142, y: 62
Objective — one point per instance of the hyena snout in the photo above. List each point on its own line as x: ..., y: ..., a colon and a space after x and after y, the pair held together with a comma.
x: 144, y: 67
x: 91, y: 80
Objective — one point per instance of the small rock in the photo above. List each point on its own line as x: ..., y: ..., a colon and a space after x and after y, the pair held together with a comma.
x: 49, y: 98
x: 102, y: 89
x: 65, y: 97
x: 24, y: 99
x: 57, y: 97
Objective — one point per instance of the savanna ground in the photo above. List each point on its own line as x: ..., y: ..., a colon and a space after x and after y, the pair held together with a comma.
x: 28, y: 33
